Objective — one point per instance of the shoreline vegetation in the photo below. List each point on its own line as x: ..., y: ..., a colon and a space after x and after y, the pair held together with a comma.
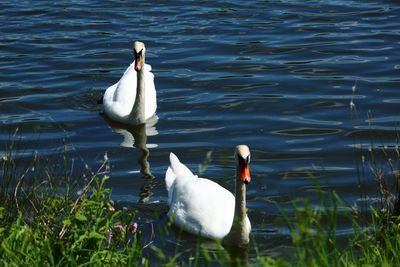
x: 49, y: 219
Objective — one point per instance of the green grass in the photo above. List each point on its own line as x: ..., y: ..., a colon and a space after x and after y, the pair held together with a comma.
x: 313, y: 230
x: 45, y: 221
x: 69, y: 233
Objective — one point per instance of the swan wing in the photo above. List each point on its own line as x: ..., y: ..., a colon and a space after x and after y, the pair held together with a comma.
x: 202, y: 207
x: 119, y: 98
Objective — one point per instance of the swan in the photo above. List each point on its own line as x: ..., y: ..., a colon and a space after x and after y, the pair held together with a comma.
x: 203, y: 207
x: 132, y: 100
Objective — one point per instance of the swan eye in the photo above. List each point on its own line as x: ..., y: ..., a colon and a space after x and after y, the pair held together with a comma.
x: 244, y: 161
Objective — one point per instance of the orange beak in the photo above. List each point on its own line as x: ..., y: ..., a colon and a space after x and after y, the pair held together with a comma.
x: 245, y: 174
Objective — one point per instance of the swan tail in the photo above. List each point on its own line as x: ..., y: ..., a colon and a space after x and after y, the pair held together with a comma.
x: 178, y: 168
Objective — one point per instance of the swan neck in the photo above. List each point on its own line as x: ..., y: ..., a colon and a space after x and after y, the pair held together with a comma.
x: 240, y: 200
x: 238, y: 235
x: 139, y: 105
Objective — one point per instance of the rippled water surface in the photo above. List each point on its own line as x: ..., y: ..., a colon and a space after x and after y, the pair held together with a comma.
x: 276, y: 75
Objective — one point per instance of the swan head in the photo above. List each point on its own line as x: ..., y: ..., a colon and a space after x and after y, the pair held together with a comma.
x: 242, y: 156
x: 139, y: 51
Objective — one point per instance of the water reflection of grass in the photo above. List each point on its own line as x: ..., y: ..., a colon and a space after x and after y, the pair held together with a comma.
x: 47, y: 221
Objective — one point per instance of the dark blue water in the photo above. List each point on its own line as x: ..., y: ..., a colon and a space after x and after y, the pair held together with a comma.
x: 276, y: 75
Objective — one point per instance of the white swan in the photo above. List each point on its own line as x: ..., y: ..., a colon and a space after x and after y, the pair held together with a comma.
x: 132, y: 100
x: 203, y: 207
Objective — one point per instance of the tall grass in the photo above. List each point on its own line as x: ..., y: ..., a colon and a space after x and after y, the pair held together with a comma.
x: 45, y: 223
x: 313, y: 231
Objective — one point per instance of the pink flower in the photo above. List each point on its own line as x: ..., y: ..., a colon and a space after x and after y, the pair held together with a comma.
x: 133, y: 228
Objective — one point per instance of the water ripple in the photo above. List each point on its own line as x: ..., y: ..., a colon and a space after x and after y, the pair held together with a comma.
x: 277, y: 75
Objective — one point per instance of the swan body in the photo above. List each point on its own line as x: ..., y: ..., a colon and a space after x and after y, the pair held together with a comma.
x: 132, y: 100
x: 203, y: 207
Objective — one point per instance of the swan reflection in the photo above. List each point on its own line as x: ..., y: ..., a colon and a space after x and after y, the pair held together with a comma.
x: 136, y: 136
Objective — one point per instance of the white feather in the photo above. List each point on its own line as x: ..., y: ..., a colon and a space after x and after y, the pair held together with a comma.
x: 198, y: 205
x: 119, y: 98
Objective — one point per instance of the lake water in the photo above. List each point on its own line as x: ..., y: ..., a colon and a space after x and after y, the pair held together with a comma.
x: 276, y: 75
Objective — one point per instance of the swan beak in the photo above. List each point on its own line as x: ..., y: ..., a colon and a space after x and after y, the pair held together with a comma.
x: 138, y: 62
x: 245, y: 174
